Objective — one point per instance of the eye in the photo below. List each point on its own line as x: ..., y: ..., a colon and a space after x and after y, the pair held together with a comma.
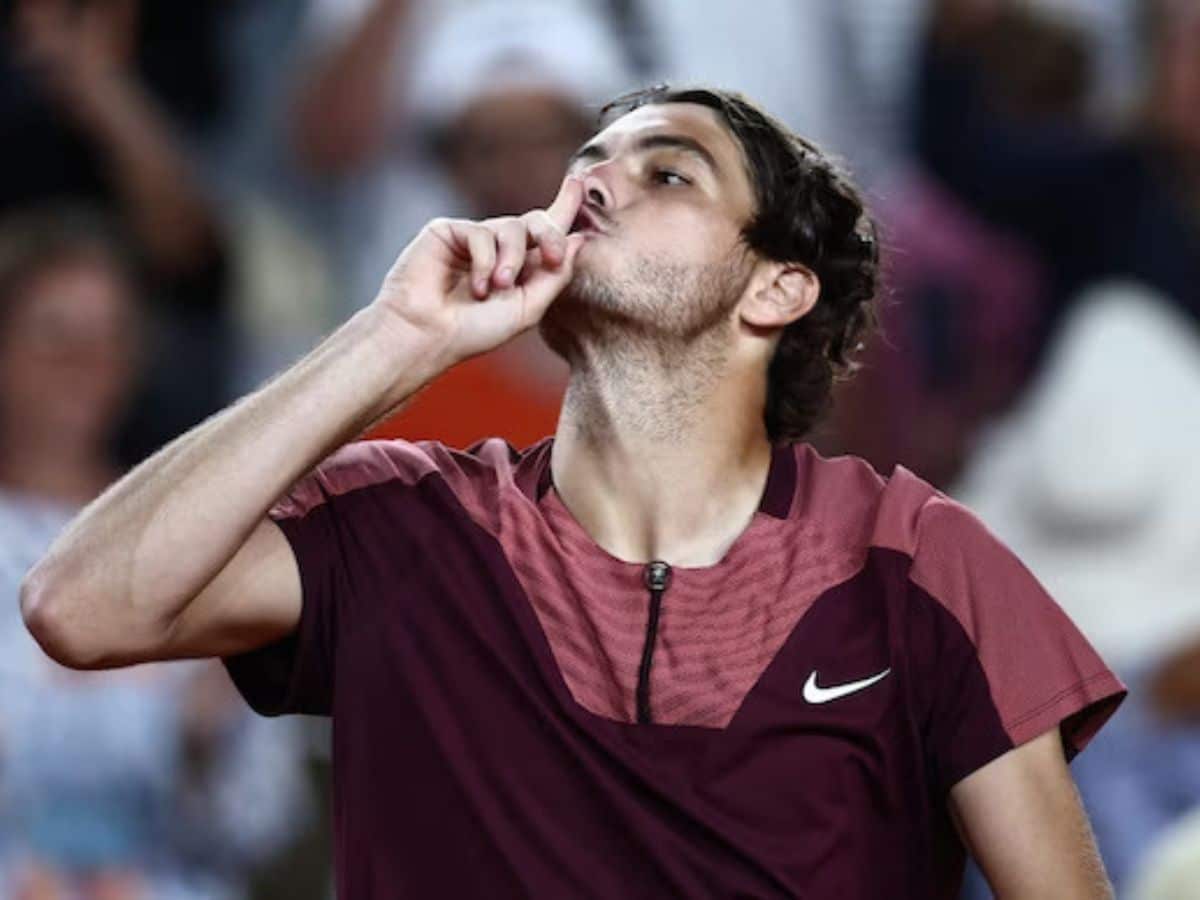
x: 664, y: 174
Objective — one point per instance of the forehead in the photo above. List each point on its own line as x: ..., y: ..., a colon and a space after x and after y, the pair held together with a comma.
x: 77, y: 285
x: 688, y: 119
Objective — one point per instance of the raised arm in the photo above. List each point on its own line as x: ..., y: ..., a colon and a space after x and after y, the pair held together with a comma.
x: 340, y: 115
x: 83, y: 57
x: 178, y: 558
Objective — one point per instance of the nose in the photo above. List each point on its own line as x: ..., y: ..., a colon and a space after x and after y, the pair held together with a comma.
x: 596, y: 190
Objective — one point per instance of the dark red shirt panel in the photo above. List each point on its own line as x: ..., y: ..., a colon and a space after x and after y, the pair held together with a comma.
x: 478, y: 655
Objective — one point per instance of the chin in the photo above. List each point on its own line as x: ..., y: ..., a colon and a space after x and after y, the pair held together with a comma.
x: 591, y: 288
x: 588, y: 304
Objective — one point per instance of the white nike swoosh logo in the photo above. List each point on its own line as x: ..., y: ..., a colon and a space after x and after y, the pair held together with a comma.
x: 814, y: 693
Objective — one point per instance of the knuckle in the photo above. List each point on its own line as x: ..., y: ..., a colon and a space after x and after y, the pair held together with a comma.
x: 514, y: 245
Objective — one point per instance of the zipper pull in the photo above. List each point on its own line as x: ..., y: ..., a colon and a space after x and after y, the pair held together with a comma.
x: 657, y: 577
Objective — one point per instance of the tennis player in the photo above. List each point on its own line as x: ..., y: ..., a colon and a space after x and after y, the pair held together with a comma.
x: 669, y: 651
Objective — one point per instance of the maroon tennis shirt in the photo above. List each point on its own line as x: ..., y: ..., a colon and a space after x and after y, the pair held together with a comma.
x: 518, y: 713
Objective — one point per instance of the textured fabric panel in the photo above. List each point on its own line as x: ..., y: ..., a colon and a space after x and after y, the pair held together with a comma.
x: 720, y: 626
x: 717, y: 630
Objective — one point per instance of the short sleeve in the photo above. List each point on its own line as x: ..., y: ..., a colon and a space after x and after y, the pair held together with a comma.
x: 1008, y: 663
x: 294, y: 674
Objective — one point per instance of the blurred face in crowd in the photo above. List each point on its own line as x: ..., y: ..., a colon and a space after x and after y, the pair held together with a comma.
x: 508, y: 148
x: 668, y: 194
x: 67, y: 351
x: 1177, y: 98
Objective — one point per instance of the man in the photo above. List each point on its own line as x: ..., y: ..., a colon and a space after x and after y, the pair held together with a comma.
x: 669, y: 652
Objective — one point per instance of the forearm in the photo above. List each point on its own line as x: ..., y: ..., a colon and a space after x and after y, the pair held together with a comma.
x: 135, y: 557
x: 150, y: 173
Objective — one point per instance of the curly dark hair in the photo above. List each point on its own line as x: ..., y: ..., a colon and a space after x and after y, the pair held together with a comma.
x: 808, y: 211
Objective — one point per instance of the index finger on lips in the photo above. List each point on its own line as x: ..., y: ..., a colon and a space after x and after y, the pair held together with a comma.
x: 566, y: 205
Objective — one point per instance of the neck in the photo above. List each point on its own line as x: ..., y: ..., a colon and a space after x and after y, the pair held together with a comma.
x: 54, y: 468
x: 662, y: 458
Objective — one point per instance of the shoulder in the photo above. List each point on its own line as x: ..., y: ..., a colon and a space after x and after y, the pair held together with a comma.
x: 847, y: 493
x: 958, y: 568
x: 911, y: 516
x: 946, y: 549
x: 474, y: 477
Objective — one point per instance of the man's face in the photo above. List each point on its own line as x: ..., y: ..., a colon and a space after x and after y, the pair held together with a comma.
x: 668, y: 194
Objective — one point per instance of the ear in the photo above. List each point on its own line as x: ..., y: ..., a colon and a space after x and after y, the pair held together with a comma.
x: 780, y: 293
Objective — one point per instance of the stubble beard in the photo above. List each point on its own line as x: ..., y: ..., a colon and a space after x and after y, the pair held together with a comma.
x: 645, y: 347
x: 656, y: 307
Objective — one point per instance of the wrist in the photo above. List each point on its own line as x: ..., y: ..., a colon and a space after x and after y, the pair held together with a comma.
x: 406, y: 357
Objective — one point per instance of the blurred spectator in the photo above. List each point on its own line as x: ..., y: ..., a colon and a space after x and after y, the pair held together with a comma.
x: 71, y: 337
x: 1000, y: 119
x: 1094, y: 480
x: 94, y: 99
x: 838, y: 72
x: 468, y: 109
x: 152, y: 782
x: 957, y: 315
x: 1171, y: 868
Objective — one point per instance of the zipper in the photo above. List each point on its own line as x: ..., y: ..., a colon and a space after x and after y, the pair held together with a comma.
x: 656, y: 576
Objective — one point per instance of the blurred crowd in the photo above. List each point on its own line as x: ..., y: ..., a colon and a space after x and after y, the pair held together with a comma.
x: 192, y: 194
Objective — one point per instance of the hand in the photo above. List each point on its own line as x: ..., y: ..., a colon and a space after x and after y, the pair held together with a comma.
x: 76, y: 51
x: 470, y: 286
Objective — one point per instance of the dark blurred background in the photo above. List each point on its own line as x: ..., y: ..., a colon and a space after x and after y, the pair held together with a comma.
x: 192, y: 194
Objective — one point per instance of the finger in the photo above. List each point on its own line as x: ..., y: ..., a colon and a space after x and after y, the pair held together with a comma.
x: 546, y: 236
x: 566, y: 205
x: 533, y: 262
x: 512, y: 238
x: 480, y: 243
x: 543, y: 284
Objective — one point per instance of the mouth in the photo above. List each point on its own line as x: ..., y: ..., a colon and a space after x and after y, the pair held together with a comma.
x: 588, y: 222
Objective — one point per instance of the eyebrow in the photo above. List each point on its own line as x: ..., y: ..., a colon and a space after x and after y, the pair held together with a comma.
x: 596, y: 151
